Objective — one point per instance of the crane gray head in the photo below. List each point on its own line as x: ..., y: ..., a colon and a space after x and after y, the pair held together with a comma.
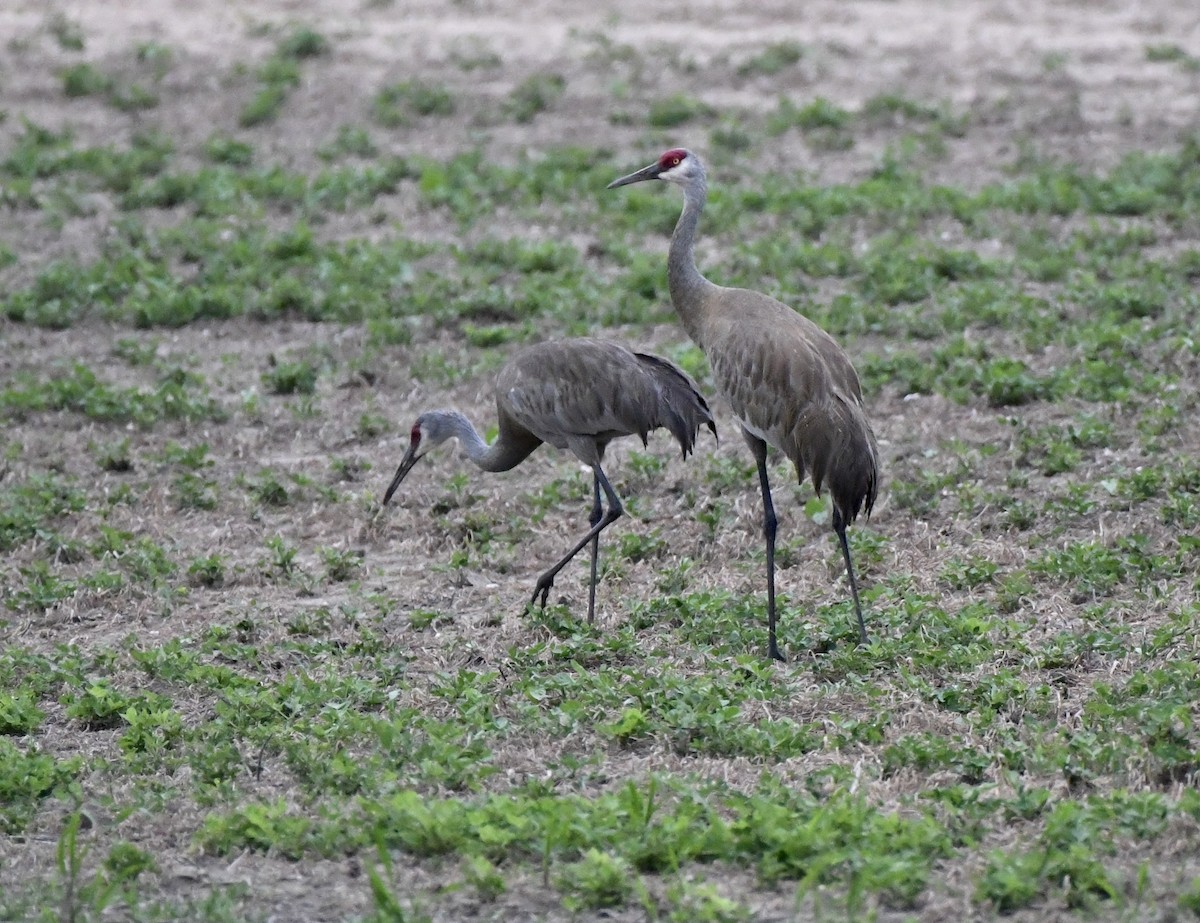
x: 430, y: 430
x: 678, y: 165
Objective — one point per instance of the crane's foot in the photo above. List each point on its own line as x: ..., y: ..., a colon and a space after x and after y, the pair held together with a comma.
x: 542, y: 590
x: 862, y: 631
x: 773, y: 652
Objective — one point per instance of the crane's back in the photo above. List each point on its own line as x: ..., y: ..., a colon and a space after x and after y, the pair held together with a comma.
x: 581, y: 393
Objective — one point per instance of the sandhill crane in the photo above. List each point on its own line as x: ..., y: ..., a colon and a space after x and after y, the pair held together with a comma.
x: 576, y: 394
x: 789, y: 384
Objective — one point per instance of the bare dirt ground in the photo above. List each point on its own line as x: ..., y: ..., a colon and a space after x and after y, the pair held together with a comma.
x: 1072, y: 75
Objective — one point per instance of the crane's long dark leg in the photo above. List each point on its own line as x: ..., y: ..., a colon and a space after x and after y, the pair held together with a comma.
x: 611, y: 515
x: 839, y: 526
x: 594, y: 519
x: 770, y: 526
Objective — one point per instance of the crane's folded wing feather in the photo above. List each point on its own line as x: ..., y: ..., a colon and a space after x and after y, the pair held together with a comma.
x: 566, y: 391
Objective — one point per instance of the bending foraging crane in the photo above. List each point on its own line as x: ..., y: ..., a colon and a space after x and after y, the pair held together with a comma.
x: 576, y: 394
x: 789, y: 383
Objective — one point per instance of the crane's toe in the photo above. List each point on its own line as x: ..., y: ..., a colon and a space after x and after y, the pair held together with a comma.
x: 541, y: 590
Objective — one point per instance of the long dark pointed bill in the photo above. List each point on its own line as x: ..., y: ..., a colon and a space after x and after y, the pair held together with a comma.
x: 406, y: 463
x: 650, y: 172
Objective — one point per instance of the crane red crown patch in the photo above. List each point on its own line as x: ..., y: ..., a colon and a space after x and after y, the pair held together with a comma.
x: 415, y: 435
x: 672, y: 158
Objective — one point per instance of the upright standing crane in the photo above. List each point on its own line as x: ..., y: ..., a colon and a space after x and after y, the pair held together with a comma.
x: 789, y: 384
x: 576, y: 394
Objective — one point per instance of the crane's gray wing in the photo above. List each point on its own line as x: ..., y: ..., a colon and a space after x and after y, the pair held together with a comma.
x: 682, y: 408
x: 582, y: 393
x: 791, y: 384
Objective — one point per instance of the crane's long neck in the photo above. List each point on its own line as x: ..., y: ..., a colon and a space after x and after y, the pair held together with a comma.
x: 686, y: 283
x: 499, y: 456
